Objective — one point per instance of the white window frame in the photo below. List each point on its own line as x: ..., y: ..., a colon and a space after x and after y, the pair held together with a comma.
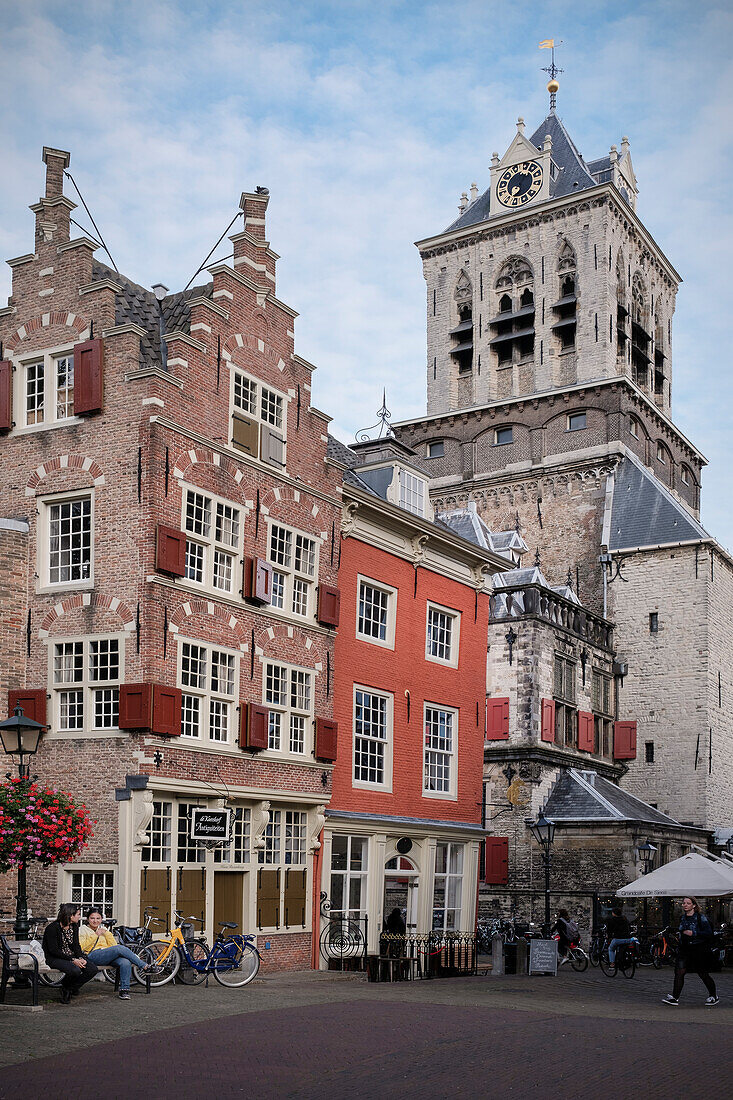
x: 431, y: 453
x: 662, y: 453
x: 407, y: 490
x: 211, y: 545
x: 108, y: 907
x: 257, y: 415
x: 86, y: 686
x: 287, y: 711
x: 49, y: 358
x: 455, y: 616
x: 451, y: 793
x: 577, y: 427
x: 45, y: 504
x: 208, y: 696
x: 387, y: 741
x: 349, y: 874
x: 447, y: 875
x: 238, y: 852
x: 391, y: 593
x: 504, y: 442
x: 293, y: 576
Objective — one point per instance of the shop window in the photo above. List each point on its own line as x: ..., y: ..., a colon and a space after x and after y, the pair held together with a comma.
x: 160, y: 833
x: 447, y: 888
x: 349, y: 869
x: 282, y: 875
x: 238, y: 849
x: 188, y: 851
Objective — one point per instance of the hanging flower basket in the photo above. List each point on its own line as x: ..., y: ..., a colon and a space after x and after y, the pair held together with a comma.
x: 41, y: 824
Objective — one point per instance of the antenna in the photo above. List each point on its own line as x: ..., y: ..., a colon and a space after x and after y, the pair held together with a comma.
x: 552, y: 69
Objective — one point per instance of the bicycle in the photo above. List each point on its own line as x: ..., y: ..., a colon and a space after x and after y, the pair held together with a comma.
x: 576, y: 955
x: 627, y: 957
x: 595, y: 949
x: 664, y: 948
x: 134, y: 937
x: 234, y: 960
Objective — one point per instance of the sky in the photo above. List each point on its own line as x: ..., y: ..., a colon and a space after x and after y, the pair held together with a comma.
x: 367, y: 120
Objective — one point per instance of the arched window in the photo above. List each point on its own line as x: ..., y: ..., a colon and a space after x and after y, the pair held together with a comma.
x: 505, y: 304
x: 685, y: 475
x: 640, y: 336
x: 565, y: 324
x: 513, y: 337
x: 462, y: 333
x: 526, y: 298
x: 622, y: 312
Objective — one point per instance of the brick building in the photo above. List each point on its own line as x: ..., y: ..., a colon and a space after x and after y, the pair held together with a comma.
x: 169, y: 566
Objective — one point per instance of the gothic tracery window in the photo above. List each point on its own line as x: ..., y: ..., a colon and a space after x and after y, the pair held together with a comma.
x: 513, y: 326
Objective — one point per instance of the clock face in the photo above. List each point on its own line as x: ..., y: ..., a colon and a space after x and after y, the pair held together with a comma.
x: 519, y: 184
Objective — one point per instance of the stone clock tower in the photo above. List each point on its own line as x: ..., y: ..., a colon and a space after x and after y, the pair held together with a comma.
x: 549, y: 390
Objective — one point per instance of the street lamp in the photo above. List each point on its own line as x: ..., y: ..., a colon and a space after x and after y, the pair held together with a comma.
x: 20, y: 737
x: 645, y: 854
x: 543, y: 830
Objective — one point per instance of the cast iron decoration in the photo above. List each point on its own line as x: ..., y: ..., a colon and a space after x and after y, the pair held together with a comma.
x: 40, y: 823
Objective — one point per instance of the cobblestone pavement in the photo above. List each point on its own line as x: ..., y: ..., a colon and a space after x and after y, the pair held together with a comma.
x: 309, y: 1035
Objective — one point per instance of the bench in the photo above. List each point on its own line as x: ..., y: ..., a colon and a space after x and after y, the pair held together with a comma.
x: 19, y: 962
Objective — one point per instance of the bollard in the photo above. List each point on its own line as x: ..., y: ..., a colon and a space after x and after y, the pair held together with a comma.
x: 497, y: 955
x: 522, y: 956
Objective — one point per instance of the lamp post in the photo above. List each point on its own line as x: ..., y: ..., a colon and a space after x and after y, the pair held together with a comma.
x: 20, y: 737
x: 543, y: 831
x: 645, y: 853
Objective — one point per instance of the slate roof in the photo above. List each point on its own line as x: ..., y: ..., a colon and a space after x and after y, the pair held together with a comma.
x: 139, y: 306
x: 586, y: 796
x: 573, y: 173
x: 644, y: 512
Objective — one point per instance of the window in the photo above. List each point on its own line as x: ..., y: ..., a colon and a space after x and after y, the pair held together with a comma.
x: 447, y: 887
x: 634, y: 427
x: 649, y: 752
x: 94, y: 888
x: 412, y: 493
x: 685, y: 475
x: 442, y: 635
x: 237, y: 851
x: 48, y: 389
x: 653, y: 622
x: 66, y: 547
x: 189, y: 851
x: 209, y: 678
x: 212, y: 528
x: 289, y: 697
x: 566, y: 715
x: 259, y: 419
x: 372, y: 738
x: 159, y: 831
x: 288, y: 847
x: 601, y: 693
x: 503, y: 435
x: 439, y: 762
x: 349, y: 855
x: 295, y: 567
x: 602, y: 704
x: 565, y: 678
x: 376, y: 613
x: 436, y: 450
x: 577, y: 421
x: 282, y: 874
x: 86, y: 675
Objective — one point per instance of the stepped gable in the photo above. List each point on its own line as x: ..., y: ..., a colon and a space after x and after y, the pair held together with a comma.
x: 587, y: 796
x: 645, y: 513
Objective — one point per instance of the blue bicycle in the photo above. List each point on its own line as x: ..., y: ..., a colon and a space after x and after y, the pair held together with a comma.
x: 233, y: 960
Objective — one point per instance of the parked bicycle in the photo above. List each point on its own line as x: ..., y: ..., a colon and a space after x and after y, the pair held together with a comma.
x: 134, y: 937
x: 595, y: 949
x: 664, y: 948
x: 234, y: 960
x: 488, y: 927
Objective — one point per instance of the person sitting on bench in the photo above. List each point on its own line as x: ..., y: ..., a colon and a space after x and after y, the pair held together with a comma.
x: 102, y: 949
x: 63, y: 951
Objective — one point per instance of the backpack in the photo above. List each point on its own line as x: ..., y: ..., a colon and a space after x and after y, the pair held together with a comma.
x: 573, y: 931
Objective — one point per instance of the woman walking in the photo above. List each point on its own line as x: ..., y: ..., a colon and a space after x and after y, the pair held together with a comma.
x: 694, y: 952
x: 63, y: 951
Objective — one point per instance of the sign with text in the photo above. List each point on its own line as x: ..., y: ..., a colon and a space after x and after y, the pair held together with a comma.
x: 210, y: 824
x: 543, y: 957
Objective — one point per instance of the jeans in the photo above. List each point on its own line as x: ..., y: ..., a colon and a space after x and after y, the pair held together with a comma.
x: 612, y: 949
x: 76, y: 976
x: 118, y: 956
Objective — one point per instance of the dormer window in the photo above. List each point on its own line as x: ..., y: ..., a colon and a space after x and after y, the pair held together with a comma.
x: 412, y: 493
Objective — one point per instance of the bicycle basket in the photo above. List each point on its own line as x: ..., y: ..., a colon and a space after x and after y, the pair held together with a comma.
x: 187, y: 931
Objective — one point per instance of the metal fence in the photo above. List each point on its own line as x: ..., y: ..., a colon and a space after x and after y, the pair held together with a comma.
x: 428, y: 955
x: 343, y: 942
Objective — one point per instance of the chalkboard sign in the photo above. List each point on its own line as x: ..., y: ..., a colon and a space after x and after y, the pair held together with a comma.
x: 210, y: 824
x: 543, y: 956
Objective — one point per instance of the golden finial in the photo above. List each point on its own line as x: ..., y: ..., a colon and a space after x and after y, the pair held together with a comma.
x: 552, y: 85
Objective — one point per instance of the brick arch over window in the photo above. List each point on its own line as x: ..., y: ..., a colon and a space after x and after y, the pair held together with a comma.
x: 205, y: 456
x: 65, y: 462
x: 255, y: 346
x: 77, y: 323
x: 273, y: 500
x: 93, y: 600
x: 282, y: 642
x: 196, y: 606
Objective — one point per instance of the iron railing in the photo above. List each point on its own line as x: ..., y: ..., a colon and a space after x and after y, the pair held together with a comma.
x: 431, y: 954
x: 343, y: 942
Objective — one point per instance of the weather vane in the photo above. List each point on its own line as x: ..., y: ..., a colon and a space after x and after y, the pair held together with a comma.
x: 383, y: 423
x: 552, y: 69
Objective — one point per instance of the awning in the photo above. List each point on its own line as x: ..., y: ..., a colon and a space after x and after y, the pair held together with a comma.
x: 691, y: 875
x: 468, y: 346
x: 508, y: 336
x: 525, y: 311
x: 465, y: 326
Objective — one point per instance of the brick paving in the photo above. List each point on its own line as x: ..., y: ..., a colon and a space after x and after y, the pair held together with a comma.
x: 309, y: 1035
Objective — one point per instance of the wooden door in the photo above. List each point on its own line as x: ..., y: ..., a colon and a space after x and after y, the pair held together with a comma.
x: 155, y: 889
x: 191, y: 894
x: 228, y: 893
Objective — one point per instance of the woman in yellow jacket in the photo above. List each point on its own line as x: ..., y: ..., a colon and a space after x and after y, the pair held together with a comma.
x: 101, y: 948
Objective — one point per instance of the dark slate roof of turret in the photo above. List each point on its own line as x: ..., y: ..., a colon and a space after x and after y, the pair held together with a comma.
x: 573, y: 173
x: 644, y: 512
x: 586, y: 796
x: 139, y: 306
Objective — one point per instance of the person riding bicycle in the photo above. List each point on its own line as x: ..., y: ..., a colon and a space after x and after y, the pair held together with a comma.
x: 102, y: 949
x: 619, y: 932
x: 562, y: 928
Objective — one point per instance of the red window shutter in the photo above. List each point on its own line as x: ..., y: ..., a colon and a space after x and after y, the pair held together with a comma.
x: 326, y: 739
x: 624, y: 741
x: 585, y: 731
x: 170, y: 551
x: 88, y: 376
x: 33, y: 702
x: 166, y: 711
x: 254, y: 726
x: 257, y: 581
x: 6, y: 395
x: 136, y: 706
x: 497, y: 719
x: 547, y: 732
x: 497, y: 860
x: 329, y: 605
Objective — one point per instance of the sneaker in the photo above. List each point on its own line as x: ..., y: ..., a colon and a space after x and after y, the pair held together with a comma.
x: 564, y: 960
x: 124, y: 994
x: 712, y: 1001
x: 670, y: 1000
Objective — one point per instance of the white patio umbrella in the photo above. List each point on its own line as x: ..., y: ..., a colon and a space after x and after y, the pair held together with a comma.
x: 692, y: 874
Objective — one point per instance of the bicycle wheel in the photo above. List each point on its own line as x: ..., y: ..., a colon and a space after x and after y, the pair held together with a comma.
x: 199, y: 951
x: 237, y: 969
x: 608, y: 968
x: 164, y: 971
x: 594, y: 954
x: 627, y: 964
x: 578, y: 959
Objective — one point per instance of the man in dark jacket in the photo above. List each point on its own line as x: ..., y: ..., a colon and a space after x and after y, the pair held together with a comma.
x: 63, y: 952
x: 619, y: 932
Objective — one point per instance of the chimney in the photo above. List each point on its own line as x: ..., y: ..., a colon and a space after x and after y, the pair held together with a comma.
x: 56, y: 160
x: 252, y: 252
x: 54, y: 209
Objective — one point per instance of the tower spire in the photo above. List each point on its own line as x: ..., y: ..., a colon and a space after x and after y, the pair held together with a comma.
x: 552, y: 69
